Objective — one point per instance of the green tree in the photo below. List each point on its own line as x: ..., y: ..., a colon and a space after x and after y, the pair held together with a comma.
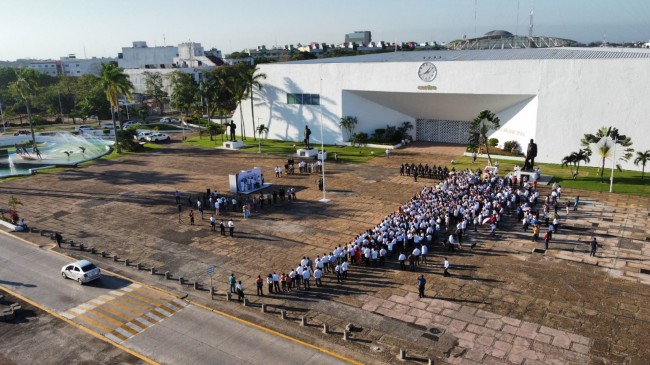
x: 184, y: 91
x: 239, y: 91
x: 604, y: 140
x: 251, y: 80
x: 114, y: 82
x: 261, y: 129
x: 348, y: 123
x: 143, y: 112
x: 153, y: 84
x: 642, y: 158
x: 481, y: 125
x: 359, y: 139
x: 404, y: 129
x: 25, y: 86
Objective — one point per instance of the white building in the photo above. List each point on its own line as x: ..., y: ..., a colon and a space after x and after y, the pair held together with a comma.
x: 48, y: 67
x: 552, y: 95
x: 142, y: 56
x: 72, y: 66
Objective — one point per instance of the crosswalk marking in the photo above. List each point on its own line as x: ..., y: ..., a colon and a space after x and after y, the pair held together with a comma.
x: 125, y: 312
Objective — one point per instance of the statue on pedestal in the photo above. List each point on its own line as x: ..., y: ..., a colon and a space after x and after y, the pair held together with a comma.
x: 307, y: 135
x: 531, y: 153
x: 233, y: 126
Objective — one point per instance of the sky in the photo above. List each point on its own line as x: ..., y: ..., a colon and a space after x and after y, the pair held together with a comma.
x: 47, y: 29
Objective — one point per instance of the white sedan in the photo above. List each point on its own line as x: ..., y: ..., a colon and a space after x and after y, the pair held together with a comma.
x: 82, y: 271
x: 158, y: 137
x: 166, y: 120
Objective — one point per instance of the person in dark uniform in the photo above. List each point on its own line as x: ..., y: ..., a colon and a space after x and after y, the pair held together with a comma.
x: 232, y: 130
x: 422, y: 282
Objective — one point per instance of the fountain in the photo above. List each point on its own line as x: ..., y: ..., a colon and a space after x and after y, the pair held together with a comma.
x: 60, y: 149
x: 12, y: 166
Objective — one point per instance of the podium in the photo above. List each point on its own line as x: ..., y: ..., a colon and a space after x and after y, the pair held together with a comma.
x: 233, y: 145
x: 303, y: 152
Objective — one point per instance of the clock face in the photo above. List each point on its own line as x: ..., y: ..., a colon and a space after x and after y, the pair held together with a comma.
x: 427, y: 71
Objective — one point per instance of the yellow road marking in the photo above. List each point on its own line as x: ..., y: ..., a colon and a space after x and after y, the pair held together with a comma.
x: 116, y: 313
x: 136, y: 313
x: 81, y: 327
x: 159, y: 314
x: 129, y: 329
x: 106, y: 318
x: 143, y: 298
x: 138, y: 323
x: 168, y: 310
x: 132, y: 301
x: 95, y: 323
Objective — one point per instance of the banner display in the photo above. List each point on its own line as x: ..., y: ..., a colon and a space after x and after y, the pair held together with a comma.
x: 246, y: 181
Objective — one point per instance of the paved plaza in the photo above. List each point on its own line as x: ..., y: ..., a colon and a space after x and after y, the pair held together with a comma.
x: 502, y: 304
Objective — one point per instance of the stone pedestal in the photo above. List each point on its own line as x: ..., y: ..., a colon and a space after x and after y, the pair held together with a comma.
x: 530, y: 176
x: 303, y: 152
x: 233, y: 145
x: 322, y: 155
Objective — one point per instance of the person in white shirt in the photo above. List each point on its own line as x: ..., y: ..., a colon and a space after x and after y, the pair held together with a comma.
x: 452, y: 243
x: 382, y: 256
x: 276, y: 282
x: 425, y: 252
x: 402, y: 261
x: 299, y: 272
x: 374, y: 255
x: 344, y: 269
x: 318, y: 274
x: 446, y: 266
x: 292, y: 278
x: 337, y: 269
x: 416, y: 254
x: 306, y: 274
x: 326, y: 262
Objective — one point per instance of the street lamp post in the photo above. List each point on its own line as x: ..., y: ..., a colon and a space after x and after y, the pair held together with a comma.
x: 611, y: 179
x: 259, y: 137
x: 322, y: 139
x: 2, y: 117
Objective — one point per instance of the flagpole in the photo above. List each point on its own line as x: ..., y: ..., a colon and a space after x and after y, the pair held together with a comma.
x: 322, y: 139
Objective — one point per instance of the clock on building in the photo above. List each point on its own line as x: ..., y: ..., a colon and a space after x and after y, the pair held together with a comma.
x: 427, y: 71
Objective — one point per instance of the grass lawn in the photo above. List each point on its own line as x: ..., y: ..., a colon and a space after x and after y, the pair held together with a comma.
x: 626, y: 182
x: 284, y: 148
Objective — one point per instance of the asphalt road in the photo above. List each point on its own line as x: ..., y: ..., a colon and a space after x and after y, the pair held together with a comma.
x: 141, y: 319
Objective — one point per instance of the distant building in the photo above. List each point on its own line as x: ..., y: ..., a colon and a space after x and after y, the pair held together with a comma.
x: 73, y: 66
x: 142, y: 56
x: 48, y: 67
x: 501, y: 39
x: 359, y: 37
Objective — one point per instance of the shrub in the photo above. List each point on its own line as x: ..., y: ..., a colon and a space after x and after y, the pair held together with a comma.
x: 379, y: 135
x: 493, y: 142
x: 512, y: 146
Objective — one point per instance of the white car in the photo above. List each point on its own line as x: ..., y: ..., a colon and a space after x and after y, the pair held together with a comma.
x: 158, y: 137
x: 142, y: 135
x: 167, y: 120
x: 129, y: 123
x: 82, y: 271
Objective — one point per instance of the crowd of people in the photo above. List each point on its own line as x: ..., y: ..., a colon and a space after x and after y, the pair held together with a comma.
x: 440, y: 215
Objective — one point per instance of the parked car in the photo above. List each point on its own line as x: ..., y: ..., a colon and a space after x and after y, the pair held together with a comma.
x: 158, y: 137
x: 142, y: 135
x: 82, y: 127
x: 129, y: 123
x: 82, y: 271
x: 167, y: 120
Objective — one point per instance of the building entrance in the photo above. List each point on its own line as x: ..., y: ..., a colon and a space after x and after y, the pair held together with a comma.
x: 445, y: 131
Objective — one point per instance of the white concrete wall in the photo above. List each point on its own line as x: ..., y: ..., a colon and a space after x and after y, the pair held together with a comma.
x: 561, y: 99
x: 139, y: 57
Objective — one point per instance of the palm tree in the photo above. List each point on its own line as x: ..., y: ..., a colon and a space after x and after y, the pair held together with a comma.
x: 569, y: 160
x: 261, y: 129
x: 348, y: 123
x: 26, y: 85
x: 605, y: 139
x: 115, y: 82
x: 581, y: 156
x: 642, y: 158
x: 480, y: 126
x: 252, y: 80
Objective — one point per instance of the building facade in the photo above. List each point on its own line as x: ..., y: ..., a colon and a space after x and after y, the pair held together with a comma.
x: 552, y: 95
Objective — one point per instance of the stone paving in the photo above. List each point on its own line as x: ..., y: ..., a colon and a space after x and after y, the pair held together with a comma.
x: 502, y: 304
